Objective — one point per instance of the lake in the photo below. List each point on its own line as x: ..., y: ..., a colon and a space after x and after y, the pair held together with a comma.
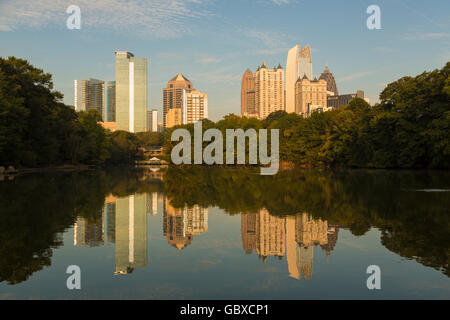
x: 225, y: 233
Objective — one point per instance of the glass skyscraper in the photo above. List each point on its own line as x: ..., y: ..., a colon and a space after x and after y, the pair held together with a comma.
x: 109, y: 111
x: 131, y: 92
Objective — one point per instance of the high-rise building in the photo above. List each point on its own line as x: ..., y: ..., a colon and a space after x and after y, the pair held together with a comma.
x: 88, y: 95
x: 109, y: 110
x: 310, y: 95
x: 131, y: 92
x: 248, y: 94
x: 173, y: 94
x: 331, y: 83
x: 174, y: 117
x: 305, y: 63
x: 292, y: 74
x: 269, y: 90
x: 195, y: 106
x: 152, y: 120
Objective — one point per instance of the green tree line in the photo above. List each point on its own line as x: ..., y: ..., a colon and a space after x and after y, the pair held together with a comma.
x: 408, y: 128
x: 37, y: 129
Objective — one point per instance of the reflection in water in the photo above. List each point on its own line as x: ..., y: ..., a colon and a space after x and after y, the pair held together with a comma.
x: 291, y: 236
x: 293, y: 215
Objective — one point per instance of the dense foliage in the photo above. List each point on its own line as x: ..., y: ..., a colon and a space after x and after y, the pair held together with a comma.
x: 409, y: 128
x: 37, y: 129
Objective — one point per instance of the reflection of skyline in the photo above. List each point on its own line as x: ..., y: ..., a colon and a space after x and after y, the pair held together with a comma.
x: 123, y: 223
x: 181, y: 224
x: 293, y: 236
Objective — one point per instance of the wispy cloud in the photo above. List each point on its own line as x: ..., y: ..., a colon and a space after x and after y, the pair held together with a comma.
x: 206, y: 60
x: 156, y: 18
x: 269, y: 52
x: 268, y: 38
x: 281, y: 2
x: 427, y: 36
x: 355, y: 76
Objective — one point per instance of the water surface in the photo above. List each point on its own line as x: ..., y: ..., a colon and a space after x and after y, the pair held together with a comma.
x: 211, y: 233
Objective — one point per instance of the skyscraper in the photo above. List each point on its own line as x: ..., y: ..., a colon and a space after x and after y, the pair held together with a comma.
x: 109, y: 110
x: 152, y: 120
x: 305, y: 67
x: 173, y: 94
x: 195, y: 106
x: 269, y: 90
x: 331, y: 83
x: 292, y: 74
x: 88, y: 95
x: 248, y: 93
x: 131, y: 92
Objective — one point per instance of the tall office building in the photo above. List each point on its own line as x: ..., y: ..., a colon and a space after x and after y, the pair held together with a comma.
x: 269, y: 90
x: 152, y: 120
x: 292, y: 74
x: 173, y: 94
x: 88, y: 95
x: 310, y: 95
x: 305, y: 63
x: 195, y: 106
x: 131, y: 92
x: 331, y: 83
x: 248, y: 94
x: 109, y: 110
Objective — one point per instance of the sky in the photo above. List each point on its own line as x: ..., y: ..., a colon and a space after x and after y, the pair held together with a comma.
x: 212, y: 42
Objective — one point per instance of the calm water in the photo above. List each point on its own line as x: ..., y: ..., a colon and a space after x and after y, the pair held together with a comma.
x: 209, y: 233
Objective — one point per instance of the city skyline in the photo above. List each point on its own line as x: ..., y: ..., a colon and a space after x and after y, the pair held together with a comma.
x: 359, y: 58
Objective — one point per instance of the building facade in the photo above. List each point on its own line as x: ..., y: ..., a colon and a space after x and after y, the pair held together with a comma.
x: 173, y: 94
x: 269, y: 90
x: 305, y: 63
x: 344, y: 99
x: 89, y: 95
x: 292, y: 74
x: 109, y: 110
x: 248, y: 94
x: 174, y: 117
x: 131, y: 92
x: 331, y: 83
x: 310, y: 95
x: 195, y: 106
x: 152, y: 120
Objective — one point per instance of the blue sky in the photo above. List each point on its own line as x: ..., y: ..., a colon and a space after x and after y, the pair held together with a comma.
x: 212, y: 42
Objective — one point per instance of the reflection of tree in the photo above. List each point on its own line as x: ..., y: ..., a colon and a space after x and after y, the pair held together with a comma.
x: 413, y: 224
x: 36, y: 209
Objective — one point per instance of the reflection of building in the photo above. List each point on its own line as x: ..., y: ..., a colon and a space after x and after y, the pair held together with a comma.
x: 270, y: 235
x: 152, y: 203
x: 109, y: 220
x: 131, y: 233
x: 248, y: 232
x: 87, y: 234
x: 180, y: 225
x: 296, y: 236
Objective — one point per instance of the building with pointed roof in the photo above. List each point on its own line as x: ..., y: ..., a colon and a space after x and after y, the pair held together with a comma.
x: 269, y: 90
x: 173, y: 94
x: 310, y: 95
x: 248, y: 93
x: 331, y: 83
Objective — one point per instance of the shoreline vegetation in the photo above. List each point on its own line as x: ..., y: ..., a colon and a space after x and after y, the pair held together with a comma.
x: 409, y: 128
